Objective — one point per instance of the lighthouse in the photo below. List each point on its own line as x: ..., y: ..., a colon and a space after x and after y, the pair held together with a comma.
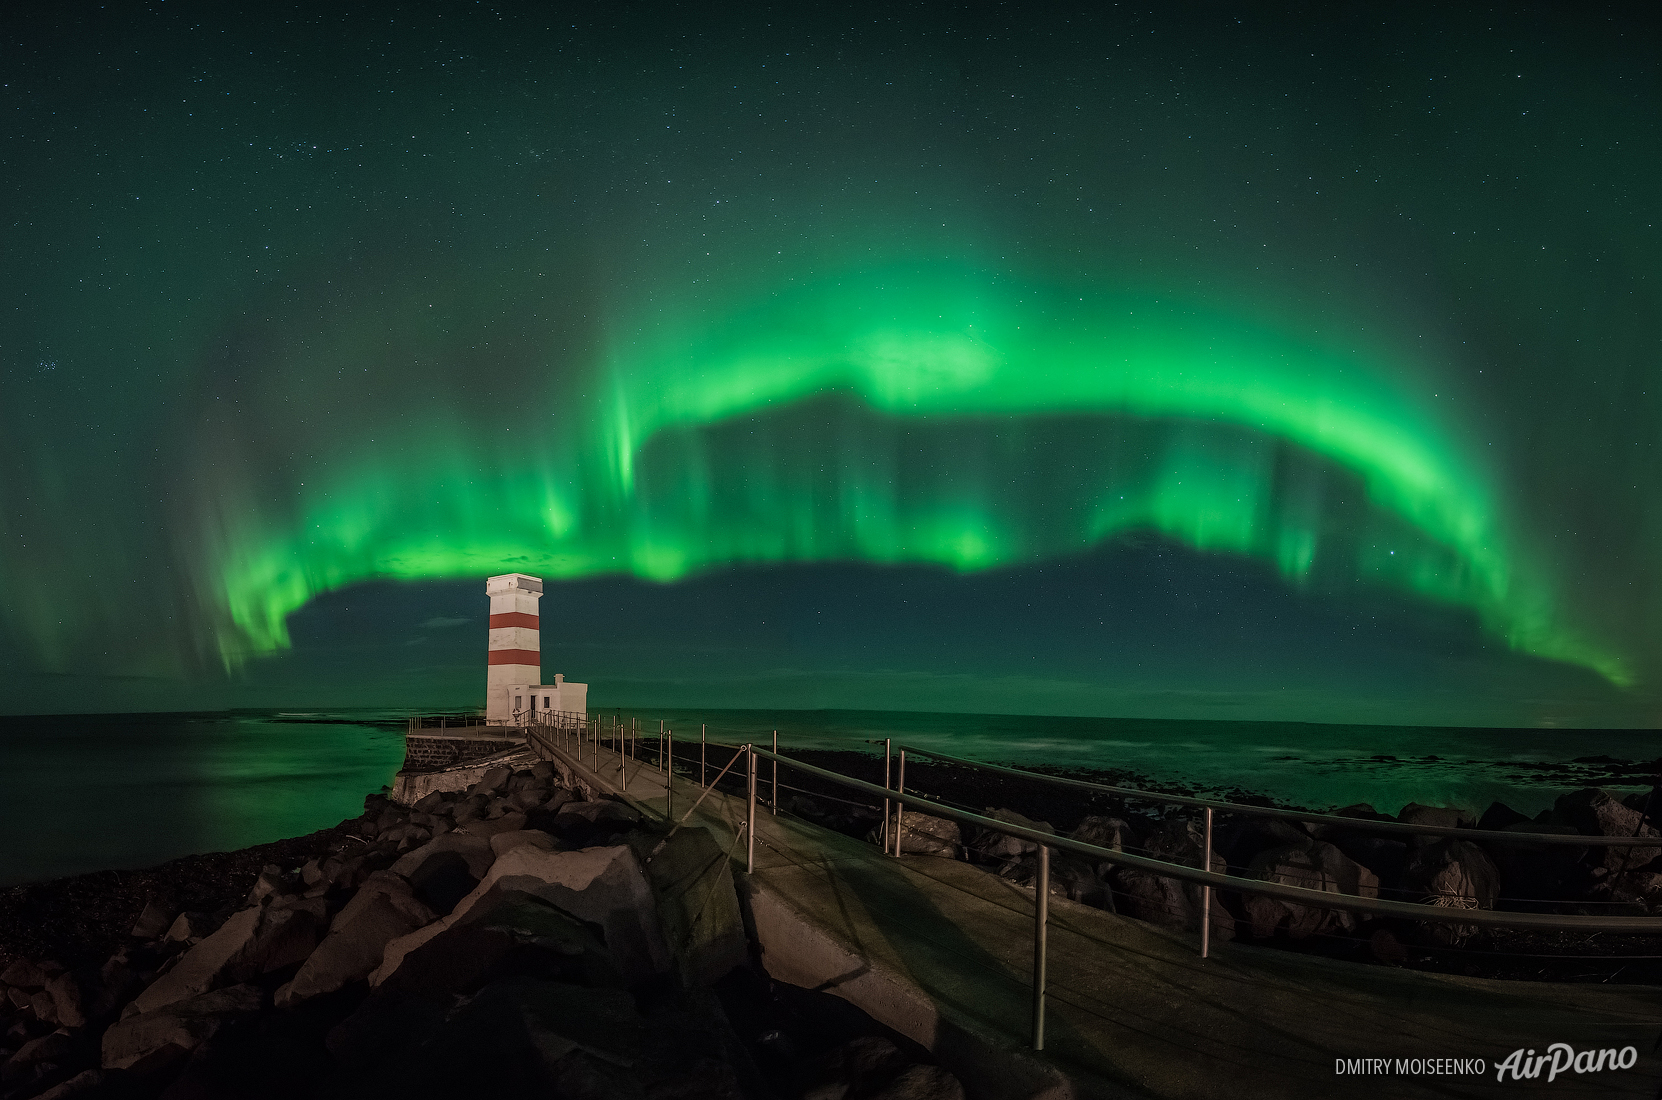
x: 514, y: 691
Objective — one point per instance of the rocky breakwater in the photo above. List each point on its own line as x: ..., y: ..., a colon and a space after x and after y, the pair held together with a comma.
x: 522, y: 933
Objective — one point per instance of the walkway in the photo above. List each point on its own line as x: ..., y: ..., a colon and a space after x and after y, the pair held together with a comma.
x: 942, y: 952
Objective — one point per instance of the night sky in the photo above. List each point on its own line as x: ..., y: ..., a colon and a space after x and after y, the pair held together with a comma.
x: 1184, y: 362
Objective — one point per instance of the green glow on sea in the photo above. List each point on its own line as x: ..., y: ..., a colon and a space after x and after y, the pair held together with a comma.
x: 943, y: 413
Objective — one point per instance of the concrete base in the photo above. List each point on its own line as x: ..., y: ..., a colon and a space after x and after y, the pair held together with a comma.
x: 409, y: 788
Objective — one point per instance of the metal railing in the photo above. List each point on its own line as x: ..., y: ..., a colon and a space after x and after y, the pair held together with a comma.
x: 1363, y: 824
x: 1207, y: 879
x: 591, y: 736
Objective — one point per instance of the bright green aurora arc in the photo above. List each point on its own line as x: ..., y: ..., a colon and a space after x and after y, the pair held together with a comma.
x: 941, y: 342
x: 1180, y: 362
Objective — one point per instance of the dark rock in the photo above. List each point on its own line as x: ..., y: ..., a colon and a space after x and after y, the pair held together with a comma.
x: 54, y: 1047
x: 1072, y: 877
x: 272, y: 881
x: 25, y: 974
x: 994, y: 846
x: 1113, y: 833
x: 1536, y: 871
x: 490, y: 782
x: 384, y: 908
x: 603, y: 885
x: 251, y: 943
x: 1500, y: 816
x: 1362, y: 811
x: 154, y: 922
x: 189, y: 928
x: 72, y: 995
x: 1383, y: 856
x: 859, y: 1067
x: 923, y: 835
x: 698, y: 907
x: 508, y: 932
x: 45, y: 1007
x: 502, y: 843
x: 1165, y: 901
x: 1452, y: 873
x: 1440, y: 817
x: 88, y: 1083
x: 507, y: 823
x: 543, y: 816
x: 1593, y: 812
x: 543, y: 770
x: 430, y: 803
x: 921, y: 1083
x: 1313, y: 865
x: 152, y: 1041
x: 1641, y: 887
x: 475, y: 852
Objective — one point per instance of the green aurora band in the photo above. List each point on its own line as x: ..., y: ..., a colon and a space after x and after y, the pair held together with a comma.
x: 937, y: 414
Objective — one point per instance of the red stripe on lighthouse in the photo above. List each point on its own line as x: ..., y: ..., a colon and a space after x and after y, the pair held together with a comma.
x: 513, y: 657
x: 514, y: 618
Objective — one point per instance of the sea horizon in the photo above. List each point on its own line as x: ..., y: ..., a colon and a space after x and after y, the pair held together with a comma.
x: 202, y: 781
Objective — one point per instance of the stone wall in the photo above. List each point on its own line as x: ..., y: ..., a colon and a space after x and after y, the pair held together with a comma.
x: 430, y: 751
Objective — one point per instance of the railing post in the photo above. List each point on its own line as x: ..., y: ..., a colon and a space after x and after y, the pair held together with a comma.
x: 1041, y: 921
x: 660, y: 746
x: 669, y: 776
x: 1206, y: 892
x: 750, y: 815
x: 703, y: 766
x: 622, y: 761
x: 887, y: 784
x: 900, y: 807
x: 776, y: 775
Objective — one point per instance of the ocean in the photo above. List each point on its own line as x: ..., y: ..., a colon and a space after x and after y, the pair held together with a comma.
x: 92, y: 792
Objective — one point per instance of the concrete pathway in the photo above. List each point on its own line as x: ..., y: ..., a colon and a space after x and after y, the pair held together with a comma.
x: 942, y: 952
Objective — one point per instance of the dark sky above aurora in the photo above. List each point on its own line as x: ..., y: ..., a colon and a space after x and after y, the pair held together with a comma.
x: 1195, y: 362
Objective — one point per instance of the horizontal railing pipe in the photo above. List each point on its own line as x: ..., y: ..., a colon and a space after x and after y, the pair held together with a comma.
x: 1393, y: 828
x: 1321, y: 899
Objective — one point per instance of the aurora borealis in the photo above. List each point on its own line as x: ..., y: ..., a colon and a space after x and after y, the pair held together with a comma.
x: 1219, y: 336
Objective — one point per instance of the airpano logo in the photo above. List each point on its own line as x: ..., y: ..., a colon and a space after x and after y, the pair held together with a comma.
x: 1563, y: 1058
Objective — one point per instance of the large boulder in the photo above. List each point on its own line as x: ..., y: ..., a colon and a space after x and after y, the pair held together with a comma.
x: 486, y: 828
x: 1441, y: 817
x: 507, y: 932
x: 253, y: 942
x: 152, y: 1041
x: 603, y: 885
x: 474, y: 850
x: 1113, y: 833
x: 921, y: 1083
x: 1536, y: 872
x: 1314, y: 865
x: 698, y: 906
x: 154, y: 921
x: 1593, y: 812
x: 997, y: 847
x: 447, y: 868
x: 383, y: 909
x: 1165, y: 901
x: 54, y: 1046
x: 30, y: 975
x: 923, y: 835
x: 522, y: 1035
x: 1451, y: 873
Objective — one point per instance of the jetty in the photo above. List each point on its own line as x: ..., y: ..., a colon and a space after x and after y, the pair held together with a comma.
x: 943, y: 952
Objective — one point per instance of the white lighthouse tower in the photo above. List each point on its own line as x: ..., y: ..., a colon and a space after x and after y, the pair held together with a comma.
x: 514, y: 691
